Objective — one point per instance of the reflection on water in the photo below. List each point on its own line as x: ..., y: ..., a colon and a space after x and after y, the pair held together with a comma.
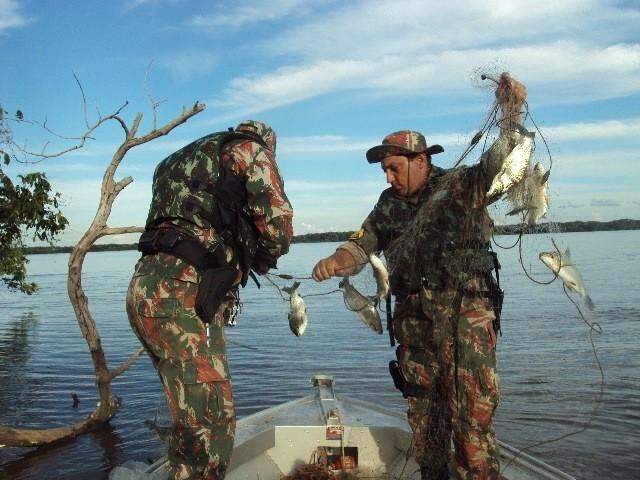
x: 15, y: 352
x: 548, y: 375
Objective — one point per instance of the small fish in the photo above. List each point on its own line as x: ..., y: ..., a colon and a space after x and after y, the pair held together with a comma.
x: 533, y: 197
x: 562, y: 266
x: 297, y: 311
x: 365, y: 307
x: 514, y: 166
x: 382, y: 276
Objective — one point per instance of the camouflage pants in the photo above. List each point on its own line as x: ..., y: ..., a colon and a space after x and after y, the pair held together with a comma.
x: 452, y: 354
x: 192, y: 368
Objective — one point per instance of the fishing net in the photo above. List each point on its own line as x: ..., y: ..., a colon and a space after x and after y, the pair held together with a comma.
x: 520, y: 211
x: 318, y: 472
x: 356, y: 301
x: 519, y: 233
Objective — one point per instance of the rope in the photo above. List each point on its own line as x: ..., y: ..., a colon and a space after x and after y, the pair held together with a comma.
x: 524, y: 269
x: 268, y: 277
x: 488, y: 124
x: 320, y: 294
x: 286, y: 276
x: 493, y: 238
x: 594, y: 327
x: 526, y: 105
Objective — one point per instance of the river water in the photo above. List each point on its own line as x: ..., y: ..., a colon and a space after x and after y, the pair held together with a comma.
x: 550, y: 381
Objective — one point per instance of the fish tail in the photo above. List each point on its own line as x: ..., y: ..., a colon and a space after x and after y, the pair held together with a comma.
x: 589, y: 302
x: 292, y: 288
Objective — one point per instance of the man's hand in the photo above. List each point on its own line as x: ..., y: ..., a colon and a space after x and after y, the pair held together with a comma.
x: 510, y: 91
x: 325, y: 269
x: 339, y: 264
x: 510, y: 95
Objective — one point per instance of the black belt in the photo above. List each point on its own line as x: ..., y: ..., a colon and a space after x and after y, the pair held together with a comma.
x: 167, y: 240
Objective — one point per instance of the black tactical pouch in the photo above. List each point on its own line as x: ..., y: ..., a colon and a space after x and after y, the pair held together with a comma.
x: 264, y: 258
x: 398, y: 378
x: 215, y: 283
x: 497, y: 299
x: 407, y: 389
x: 247, y: 244
x: 497, y: 295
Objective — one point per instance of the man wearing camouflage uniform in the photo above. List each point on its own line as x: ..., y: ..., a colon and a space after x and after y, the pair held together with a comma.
x: 435, y: 231
x: 218, y: 210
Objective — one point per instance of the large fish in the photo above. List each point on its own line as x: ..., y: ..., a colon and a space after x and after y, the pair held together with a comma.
x: 365, y: 307
x: 533, y: 197
x: 562, y: 266
x: 514, y: 166
x: 297, y: 310
x: 382, y: 276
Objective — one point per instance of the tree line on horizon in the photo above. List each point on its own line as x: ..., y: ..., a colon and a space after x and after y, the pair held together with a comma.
x: 566, y: 227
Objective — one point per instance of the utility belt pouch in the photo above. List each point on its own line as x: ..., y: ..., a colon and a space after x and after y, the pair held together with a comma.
x: 148, y: 242
x: 400, y: 382
x: 498, y: 295
x: 247, y: 243
x: 498, y: 299
x: 398, y: 378
x: 215, y: 284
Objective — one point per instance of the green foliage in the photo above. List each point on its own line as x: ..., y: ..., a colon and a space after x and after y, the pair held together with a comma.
x: 26, y: 207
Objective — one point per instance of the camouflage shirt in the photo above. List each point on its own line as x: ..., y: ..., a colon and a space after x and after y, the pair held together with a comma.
x: 441, y: 233
x: 266, y: 203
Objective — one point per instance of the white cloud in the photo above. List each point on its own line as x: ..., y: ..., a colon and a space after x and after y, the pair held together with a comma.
x: 393, y: 27
x: 606, y: 165
x: 609, y: 129
x: 323, y: 144
x: 290, y: 84
x: 132, y: 4
x: 553, y: 72
x: 413, y: 47
x: 189, y: 64
x: 11, y: 16
x: 257, y: 12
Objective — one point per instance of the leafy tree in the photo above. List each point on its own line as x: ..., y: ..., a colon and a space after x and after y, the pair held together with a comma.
x: 27, y: 207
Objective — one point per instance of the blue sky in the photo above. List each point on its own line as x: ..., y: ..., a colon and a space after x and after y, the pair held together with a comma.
x: 332, y: 78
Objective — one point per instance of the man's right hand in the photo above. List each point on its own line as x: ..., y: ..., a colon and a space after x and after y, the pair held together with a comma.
x: 325, y: 269
x: 339, y: 264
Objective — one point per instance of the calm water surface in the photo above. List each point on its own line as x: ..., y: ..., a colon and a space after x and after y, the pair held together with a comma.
x: 550, y: 382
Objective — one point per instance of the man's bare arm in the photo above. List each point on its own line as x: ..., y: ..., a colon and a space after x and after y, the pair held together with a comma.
x: 340, y: 264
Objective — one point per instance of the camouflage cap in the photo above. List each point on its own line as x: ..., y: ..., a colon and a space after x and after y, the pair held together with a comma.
x: 264, y: 131
x: 401, y: 143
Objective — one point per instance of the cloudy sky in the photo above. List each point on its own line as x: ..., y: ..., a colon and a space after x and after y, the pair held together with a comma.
x: 332, y: 78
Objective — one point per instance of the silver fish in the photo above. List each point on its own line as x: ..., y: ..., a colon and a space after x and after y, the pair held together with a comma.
x: 514, y: 166
x: 562, y: 266
x: 365, y: 307
x: 297, y: 310
x: 533, y: 197
x: 382, y: 276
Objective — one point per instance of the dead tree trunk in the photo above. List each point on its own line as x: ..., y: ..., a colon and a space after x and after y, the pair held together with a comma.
x: 108, y: 404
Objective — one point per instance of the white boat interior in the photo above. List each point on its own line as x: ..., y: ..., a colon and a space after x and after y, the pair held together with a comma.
x: 346, y: 435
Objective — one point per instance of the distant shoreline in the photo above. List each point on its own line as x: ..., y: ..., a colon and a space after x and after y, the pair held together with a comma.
x: 560, y: 227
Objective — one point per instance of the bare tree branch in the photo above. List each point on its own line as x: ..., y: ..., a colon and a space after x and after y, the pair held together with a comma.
x: 108, y: 404
x: 84, y: 101
x: 186, y: 115
x: 154, y: 104
x: 120, y: 230
x: 135, y: 126
x: 125, y: 366
x: 82, y: 140
x: 122, y: 184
